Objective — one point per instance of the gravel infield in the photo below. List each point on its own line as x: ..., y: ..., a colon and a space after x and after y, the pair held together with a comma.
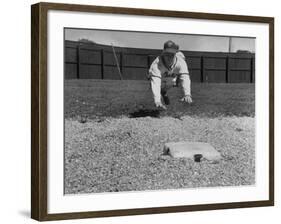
x: 127, y: 154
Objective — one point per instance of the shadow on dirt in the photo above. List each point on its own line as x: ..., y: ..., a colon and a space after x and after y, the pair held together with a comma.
x: 145, y: 113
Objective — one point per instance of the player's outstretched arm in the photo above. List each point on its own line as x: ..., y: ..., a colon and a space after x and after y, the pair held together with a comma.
x: 155, y: 83
x: 185, y: 85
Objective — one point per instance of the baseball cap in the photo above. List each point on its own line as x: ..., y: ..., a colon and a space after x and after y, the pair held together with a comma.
x: 170, y: 47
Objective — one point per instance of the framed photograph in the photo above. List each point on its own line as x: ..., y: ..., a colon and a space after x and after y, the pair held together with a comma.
x: 139, y: 111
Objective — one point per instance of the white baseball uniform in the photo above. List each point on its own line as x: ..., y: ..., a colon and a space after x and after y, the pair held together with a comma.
x: 163, y: 77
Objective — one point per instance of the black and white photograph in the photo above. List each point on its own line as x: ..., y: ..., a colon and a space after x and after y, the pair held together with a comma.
x: 144, y: 111
x: 150, y: 111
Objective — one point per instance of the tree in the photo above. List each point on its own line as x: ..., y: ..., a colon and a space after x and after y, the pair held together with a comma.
x: 243, y: 51
x: 86, y: 41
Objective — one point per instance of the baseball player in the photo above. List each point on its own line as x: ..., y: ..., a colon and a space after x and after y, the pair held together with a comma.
x: 163, y: 73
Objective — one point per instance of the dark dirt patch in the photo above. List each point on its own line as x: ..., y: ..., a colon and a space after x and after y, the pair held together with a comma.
x: 145, y: 113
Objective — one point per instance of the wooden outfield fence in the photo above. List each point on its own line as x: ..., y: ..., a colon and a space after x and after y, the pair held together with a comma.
x: 92, y: 61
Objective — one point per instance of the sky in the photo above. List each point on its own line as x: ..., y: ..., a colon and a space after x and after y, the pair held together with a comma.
x: 189, y: 42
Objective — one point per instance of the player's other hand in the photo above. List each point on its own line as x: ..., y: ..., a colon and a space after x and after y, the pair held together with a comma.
x: 159, y: 105
x: 186, y: 99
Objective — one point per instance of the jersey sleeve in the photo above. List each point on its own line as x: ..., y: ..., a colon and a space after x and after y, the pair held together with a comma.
x: 154, y: 70
x: 181, y: 66
x: 184, y: 76
x: 185, y: 84
x: 155, y: 80
x: 155, y: 84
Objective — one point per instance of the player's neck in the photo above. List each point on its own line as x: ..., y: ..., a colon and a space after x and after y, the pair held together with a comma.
x: 169, y: 66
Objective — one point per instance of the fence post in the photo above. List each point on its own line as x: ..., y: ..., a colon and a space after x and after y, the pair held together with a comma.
x: 78, y: 61
x: 121, y: 62
x: 202, y: 69
x: 102, y: 63
x: 227, y: 69
x: 148, y: 61
x: 252, y: 70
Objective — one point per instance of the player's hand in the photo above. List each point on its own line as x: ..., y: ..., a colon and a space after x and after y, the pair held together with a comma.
x: 186, y: 99
x: 159, y: 105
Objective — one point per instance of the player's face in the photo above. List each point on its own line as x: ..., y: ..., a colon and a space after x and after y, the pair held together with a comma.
x: 168, y: 58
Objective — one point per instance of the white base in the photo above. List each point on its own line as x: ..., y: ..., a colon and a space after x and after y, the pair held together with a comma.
x: 189, y: 149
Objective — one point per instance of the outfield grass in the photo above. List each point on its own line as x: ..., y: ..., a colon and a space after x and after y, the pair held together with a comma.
x: 111, y: 152
x: 99, y: 98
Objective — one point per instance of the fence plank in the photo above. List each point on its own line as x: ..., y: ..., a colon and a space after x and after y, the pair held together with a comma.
x: 122, y: 62
x: 203, y: 78
x: 102, y: 63
x: 78, y: 61
x: 227, y: 70
x: 252, y: 70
